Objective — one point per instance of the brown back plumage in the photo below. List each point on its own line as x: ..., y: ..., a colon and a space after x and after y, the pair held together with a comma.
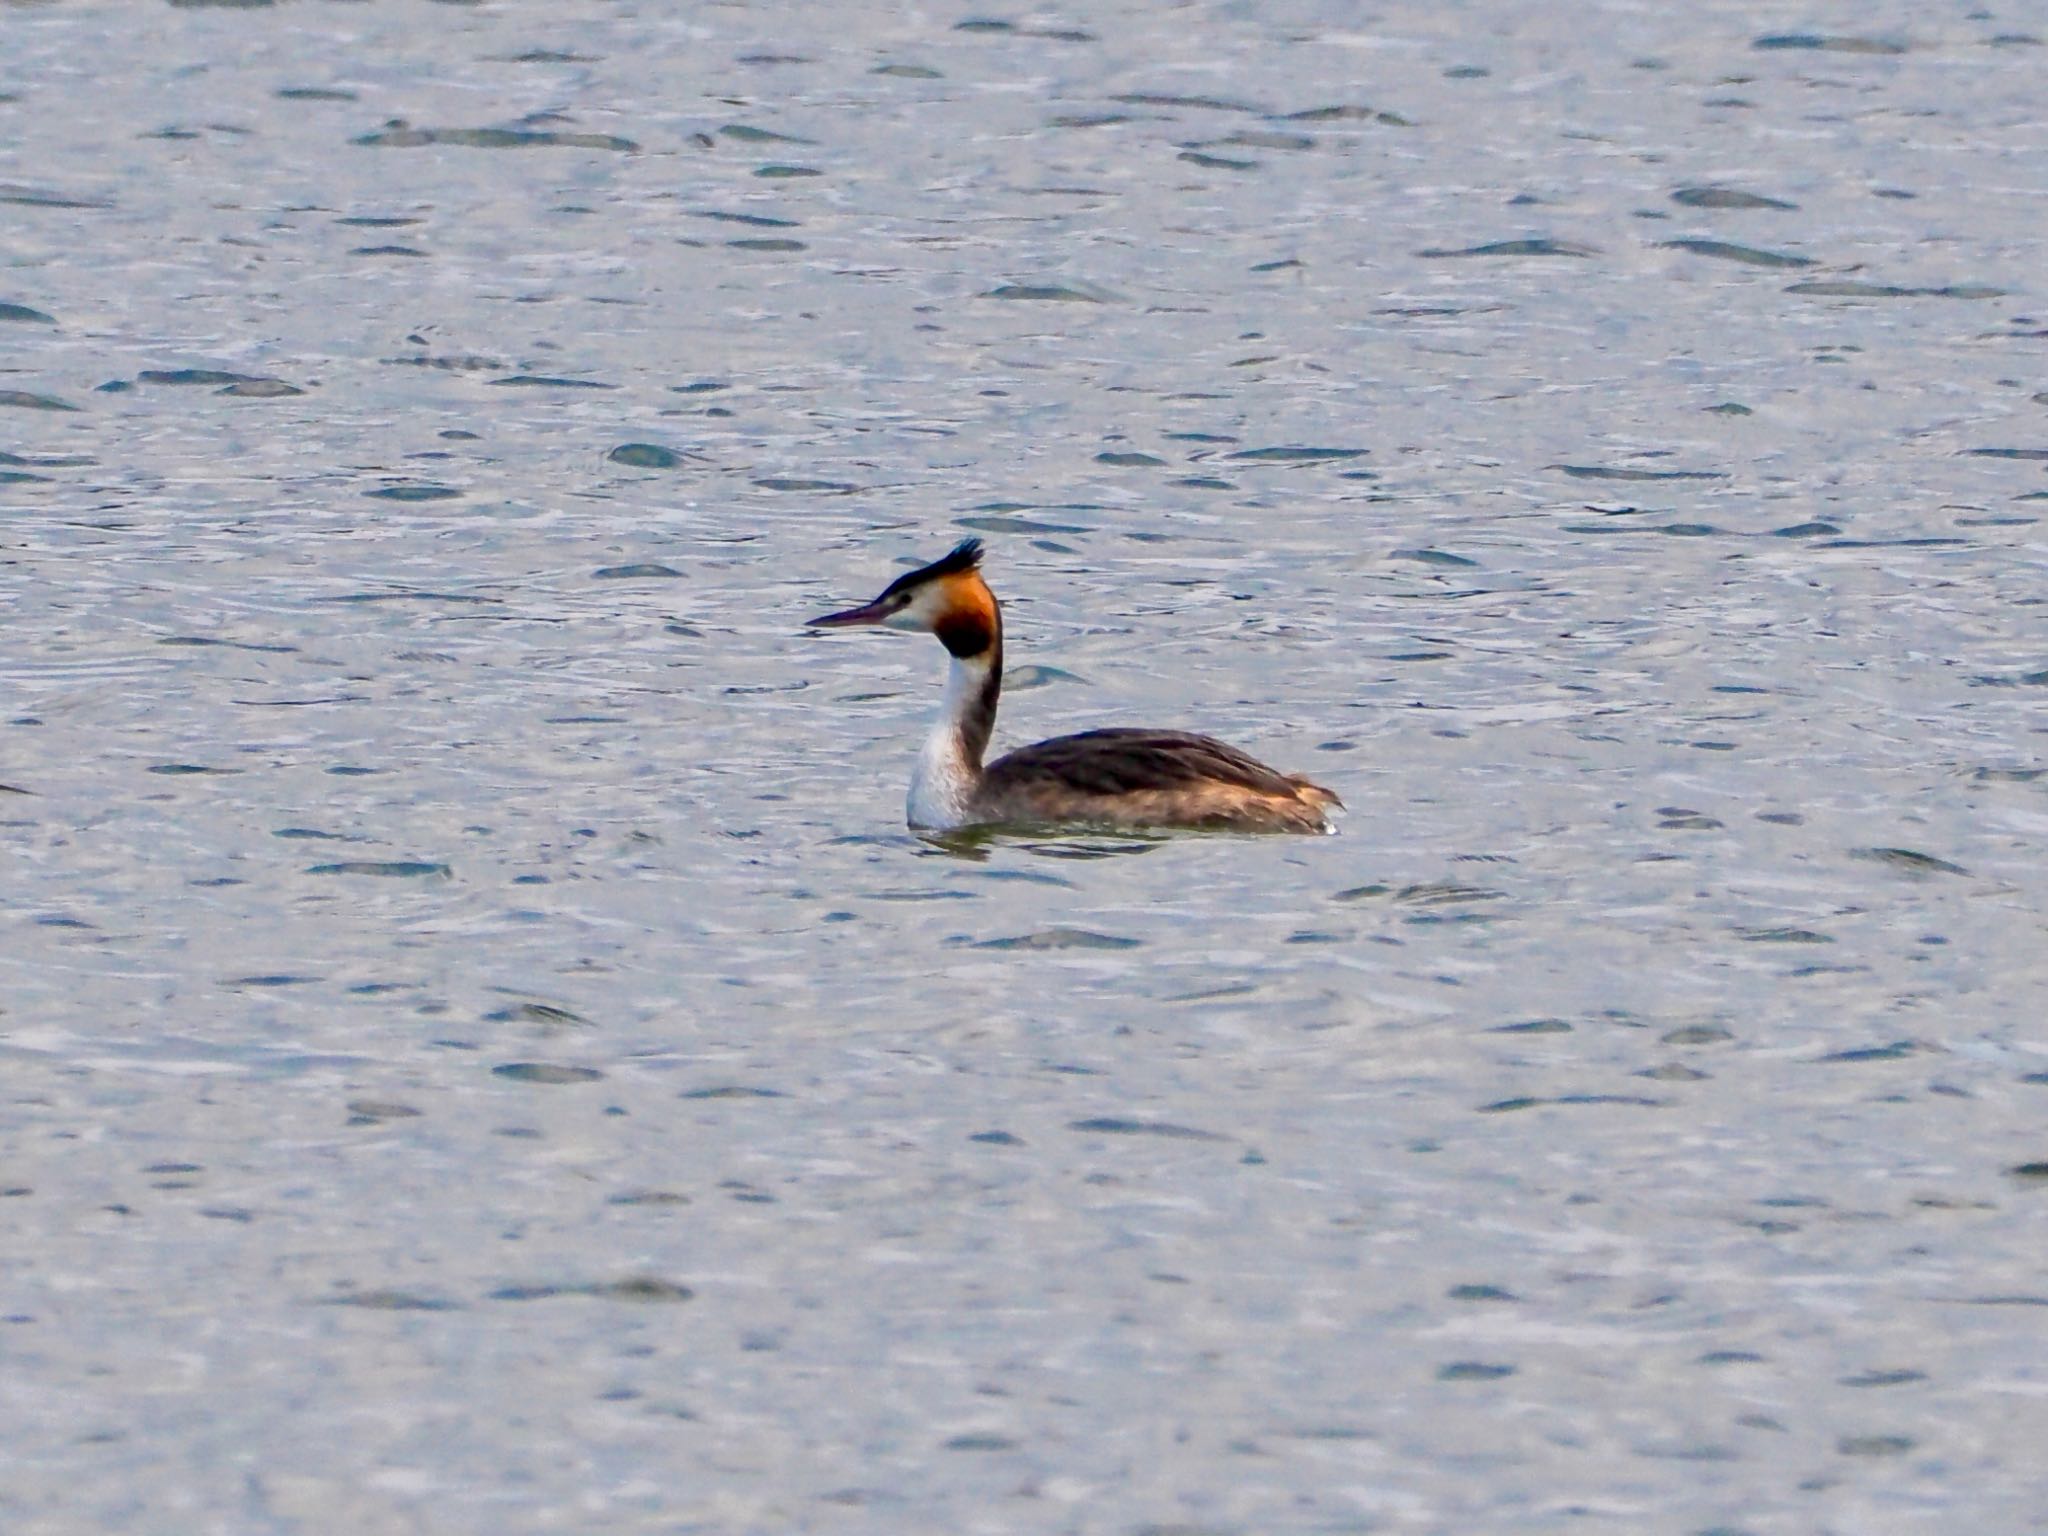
x: 1136, y: 776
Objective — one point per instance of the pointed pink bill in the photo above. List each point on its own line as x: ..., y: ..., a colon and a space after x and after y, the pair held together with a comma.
x: 867, y: 613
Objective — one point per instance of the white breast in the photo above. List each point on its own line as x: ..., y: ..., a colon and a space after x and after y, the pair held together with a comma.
x: 944, y: 781
x: 940, y: 784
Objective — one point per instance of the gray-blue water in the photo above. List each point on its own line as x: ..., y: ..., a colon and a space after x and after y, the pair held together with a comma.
x: 479, y: 1051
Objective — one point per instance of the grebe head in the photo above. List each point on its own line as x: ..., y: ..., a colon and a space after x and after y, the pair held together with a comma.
x: 947, y: 598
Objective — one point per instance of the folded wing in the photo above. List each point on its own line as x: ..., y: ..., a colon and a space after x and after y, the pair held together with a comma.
x: 1149, y: 777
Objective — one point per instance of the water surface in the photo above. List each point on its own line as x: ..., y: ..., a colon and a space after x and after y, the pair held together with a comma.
x: 481, y: 1049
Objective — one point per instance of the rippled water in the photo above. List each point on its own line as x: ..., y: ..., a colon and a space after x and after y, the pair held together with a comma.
x: 481, y: 1051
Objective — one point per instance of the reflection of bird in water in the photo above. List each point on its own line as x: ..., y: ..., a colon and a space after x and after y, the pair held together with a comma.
x: 1116, y: 778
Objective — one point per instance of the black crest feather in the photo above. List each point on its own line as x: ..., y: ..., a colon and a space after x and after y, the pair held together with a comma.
x: 964, y: 556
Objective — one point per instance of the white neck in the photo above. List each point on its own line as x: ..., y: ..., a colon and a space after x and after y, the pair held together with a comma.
x: 947, y: 775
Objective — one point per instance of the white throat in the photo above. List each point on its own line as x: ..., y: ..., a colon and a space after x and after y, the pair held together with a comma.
x: 944, y: 780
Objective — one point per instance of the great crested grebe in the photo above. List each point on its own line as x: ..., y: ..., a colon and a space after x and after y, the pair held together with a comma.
x: 1121, y: 778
